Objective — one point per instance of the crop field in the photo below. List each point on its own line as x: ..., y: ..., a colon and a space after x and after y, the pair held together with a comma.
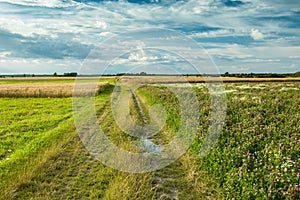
x: 47, y: 90
x: 257, y: 156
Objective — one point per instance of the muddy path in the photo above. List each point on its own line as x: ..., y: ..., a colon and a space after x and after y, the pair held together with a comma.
x: 182, y: 178
x: 164, y: 179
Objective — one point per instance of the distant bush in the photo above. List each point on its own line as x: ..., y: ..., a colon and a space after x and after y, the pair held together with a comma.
x: 256, y: 75
x: 297, y: 74
x: 70, y: 74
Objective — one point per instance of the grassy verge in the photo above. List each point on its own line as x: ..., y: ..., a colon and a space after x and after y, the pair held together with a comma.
x: 182, y: 179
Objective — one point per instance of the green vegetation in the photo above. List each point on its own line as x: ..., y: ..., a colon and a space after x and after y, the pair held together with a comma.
x: 184, y: 175
x: 261, y: 75
x: 297, y: 74
x: 42, y: 156
x: 256, y: 157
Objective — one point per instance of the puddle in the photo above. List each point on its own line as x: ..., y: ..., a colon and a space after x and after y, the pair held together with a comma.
x: 149, y: 146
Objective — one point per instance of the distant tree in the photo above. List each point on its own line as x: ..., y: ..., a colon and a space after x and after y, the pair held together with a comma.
x: 72, y: 74
x: 55, y: 74
x: 297, y: 74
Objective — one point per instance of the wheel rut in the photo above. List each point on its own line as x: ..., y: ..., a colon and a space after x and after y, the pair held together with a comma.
x: 164, y: 179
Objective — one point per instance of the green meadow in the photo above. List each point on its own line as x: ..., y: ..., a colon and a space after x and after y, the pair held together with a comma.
x: 255, y: 157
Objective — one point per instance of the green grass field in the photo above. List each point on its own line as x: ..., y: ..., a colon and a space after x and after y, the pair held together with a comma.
x: 256, y: 157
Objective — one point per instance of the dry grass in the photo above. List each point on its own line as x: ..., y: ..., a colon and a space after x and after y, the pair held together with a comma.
x: 129, y: 80
x: 150, y: 79
x: 46, y: 78
x: 49, y: 90
x: 233, y: 79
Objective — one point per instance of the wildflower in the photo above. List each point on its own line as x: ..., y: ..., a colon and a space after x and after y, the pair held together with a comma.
x: 286, y: 193
x: 269, y: 194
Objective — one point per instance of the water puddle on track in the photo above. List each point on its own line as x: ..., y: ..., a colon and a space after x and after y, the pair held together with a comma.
x: 164, y: 179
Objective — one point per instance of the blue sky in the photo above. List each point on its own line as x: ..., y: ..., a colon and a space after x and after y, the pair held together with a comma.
x: 38, y: 36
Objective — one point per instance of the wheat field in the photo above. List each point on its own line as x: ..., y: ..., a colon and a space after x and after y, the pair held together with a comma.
x: 49, y: 90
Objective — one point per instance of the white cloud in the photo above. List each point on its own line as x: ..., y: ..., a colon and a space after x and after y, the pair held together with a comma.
x: 43, y: 3
x: 217, y: 33
x: 106, y: 34
x: 38, y: 66
x: 269, y: 52
x: 101, y: 24
x: 240, y: 69
x: 256, y: 34
x: 292, y: 66
x: 92, y: 23
x: 4, y: 54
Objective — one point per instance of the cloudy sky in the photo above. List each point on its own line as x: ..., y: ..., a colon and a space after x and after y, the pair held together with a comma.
x: 39, y: 36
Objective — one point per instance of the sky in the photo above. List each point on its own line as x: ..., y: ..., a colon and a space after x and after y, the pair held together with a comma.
x: 43, y: 37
